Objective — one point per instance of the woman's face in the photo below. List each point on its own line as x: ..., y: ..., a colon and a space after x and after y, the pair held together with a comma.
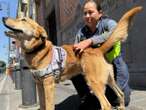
x: 91, y: 14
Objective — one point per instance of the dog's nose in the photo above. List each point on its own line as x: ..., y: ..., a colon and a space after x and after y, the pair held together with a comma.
x: 5, y: 18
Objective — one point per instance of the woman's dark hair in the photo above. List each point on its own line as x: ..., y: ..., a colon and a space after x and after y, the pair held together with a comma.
x: 97, y: 3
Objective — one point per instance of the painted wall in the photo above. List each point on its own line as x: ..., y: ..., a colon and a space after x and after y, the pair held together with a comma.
x: 134, y: 47
x: 69, y: 20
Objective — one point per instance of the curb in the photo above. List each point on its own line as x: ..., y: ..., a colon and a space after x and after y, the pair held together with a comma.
x: 33, y: 107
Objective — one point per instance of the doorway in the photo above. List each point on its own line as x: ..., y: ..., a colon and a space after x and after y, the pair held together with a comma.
x: 51, y: 24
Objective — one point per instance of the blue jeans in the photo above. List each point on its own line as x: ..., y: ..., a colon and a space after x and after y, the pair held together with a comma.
x: 122, y: 77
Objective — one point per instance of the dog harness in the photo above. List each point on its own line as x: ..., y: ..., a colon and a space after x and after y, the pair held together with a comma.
x: 56, y: 66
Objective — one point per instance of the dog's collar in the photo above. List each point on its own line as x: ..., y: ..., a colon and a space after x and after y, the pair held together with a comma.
x: 36, y: 49
x: 56, y: 66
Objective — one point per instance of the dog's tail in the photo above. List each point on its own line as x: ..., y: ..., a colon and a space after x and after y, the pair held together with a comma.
x: 120, y: 33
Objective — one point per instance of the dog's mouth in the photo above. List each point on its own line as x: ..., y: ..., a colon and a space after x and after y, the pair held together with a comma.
x: 12, y: 30
x: 13, y: 33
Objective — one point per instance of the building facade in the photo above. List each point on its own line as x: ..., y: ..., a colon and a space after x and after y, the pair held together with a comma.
x: 62, y: 19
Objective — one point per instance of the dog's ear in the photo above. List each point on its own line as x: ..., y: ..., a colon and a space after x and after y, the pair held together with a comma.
x: 44, y: 33
x: 40, y: 32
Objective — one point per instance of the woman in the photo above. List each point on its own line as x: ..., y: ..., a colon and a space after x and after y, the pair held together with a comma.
x: 96, y: 30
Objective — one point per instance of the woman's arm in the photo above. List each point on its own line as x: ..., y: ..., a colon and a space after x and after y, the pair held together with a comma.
x: 109, y: 25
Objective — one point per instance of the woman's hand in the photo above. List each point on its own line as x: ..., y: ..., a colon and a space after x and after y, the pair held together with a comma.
x: 82, y: 45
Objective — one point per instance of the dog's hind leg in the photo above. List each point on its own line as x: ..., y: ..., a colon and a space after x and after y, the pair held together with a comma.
x: 117, y: 90
x: 96, y: 77
x: 98, y: 89
x: 46, y: 89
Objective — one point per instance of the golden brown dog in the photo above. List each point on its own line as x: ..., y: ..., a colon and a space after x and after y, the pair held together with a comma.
x: 38, y: 52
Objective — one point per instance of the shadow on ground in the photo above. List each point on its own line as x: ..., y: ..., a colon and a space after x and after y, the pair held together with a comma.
x: 138, y: 88
x: 70, y: 103
x: 73, y: 103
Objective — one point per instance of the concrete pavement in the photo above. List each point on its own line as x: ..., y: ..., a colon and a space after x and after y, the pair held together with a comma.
x: 66, y: 97
x: 9, y: 97
x: 138, y: 100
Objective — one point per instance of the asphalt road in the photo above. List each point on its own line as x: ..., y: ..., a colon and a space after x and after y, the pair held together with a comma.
x: 66, y: 97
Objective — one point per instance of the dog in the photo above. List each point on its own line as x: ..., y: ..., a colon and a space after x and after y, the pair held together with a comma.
x: 39, y: 52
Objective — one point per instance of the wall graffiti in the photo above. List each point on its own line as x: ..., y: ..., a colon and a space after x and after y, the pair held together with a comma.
x: 68, y: 36
x: 110, y: 5
x: 67, y: 10
x: 115, y: 9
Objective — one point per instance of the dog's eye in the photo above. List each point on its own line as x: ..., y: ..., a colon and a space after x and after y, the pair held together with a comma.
x: 23, y: 19
x: 37, y: 38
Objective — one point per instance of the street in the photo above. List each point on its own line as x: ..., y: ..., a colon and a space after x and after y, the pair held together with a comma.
x: 65, y: 96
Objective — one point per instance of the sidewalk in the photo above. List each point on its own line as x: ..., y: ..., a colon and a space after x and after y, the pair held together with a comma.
x: 138, y: 100
x: 65, y: 98
x: 9, y: 97
x: 138, y: 97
